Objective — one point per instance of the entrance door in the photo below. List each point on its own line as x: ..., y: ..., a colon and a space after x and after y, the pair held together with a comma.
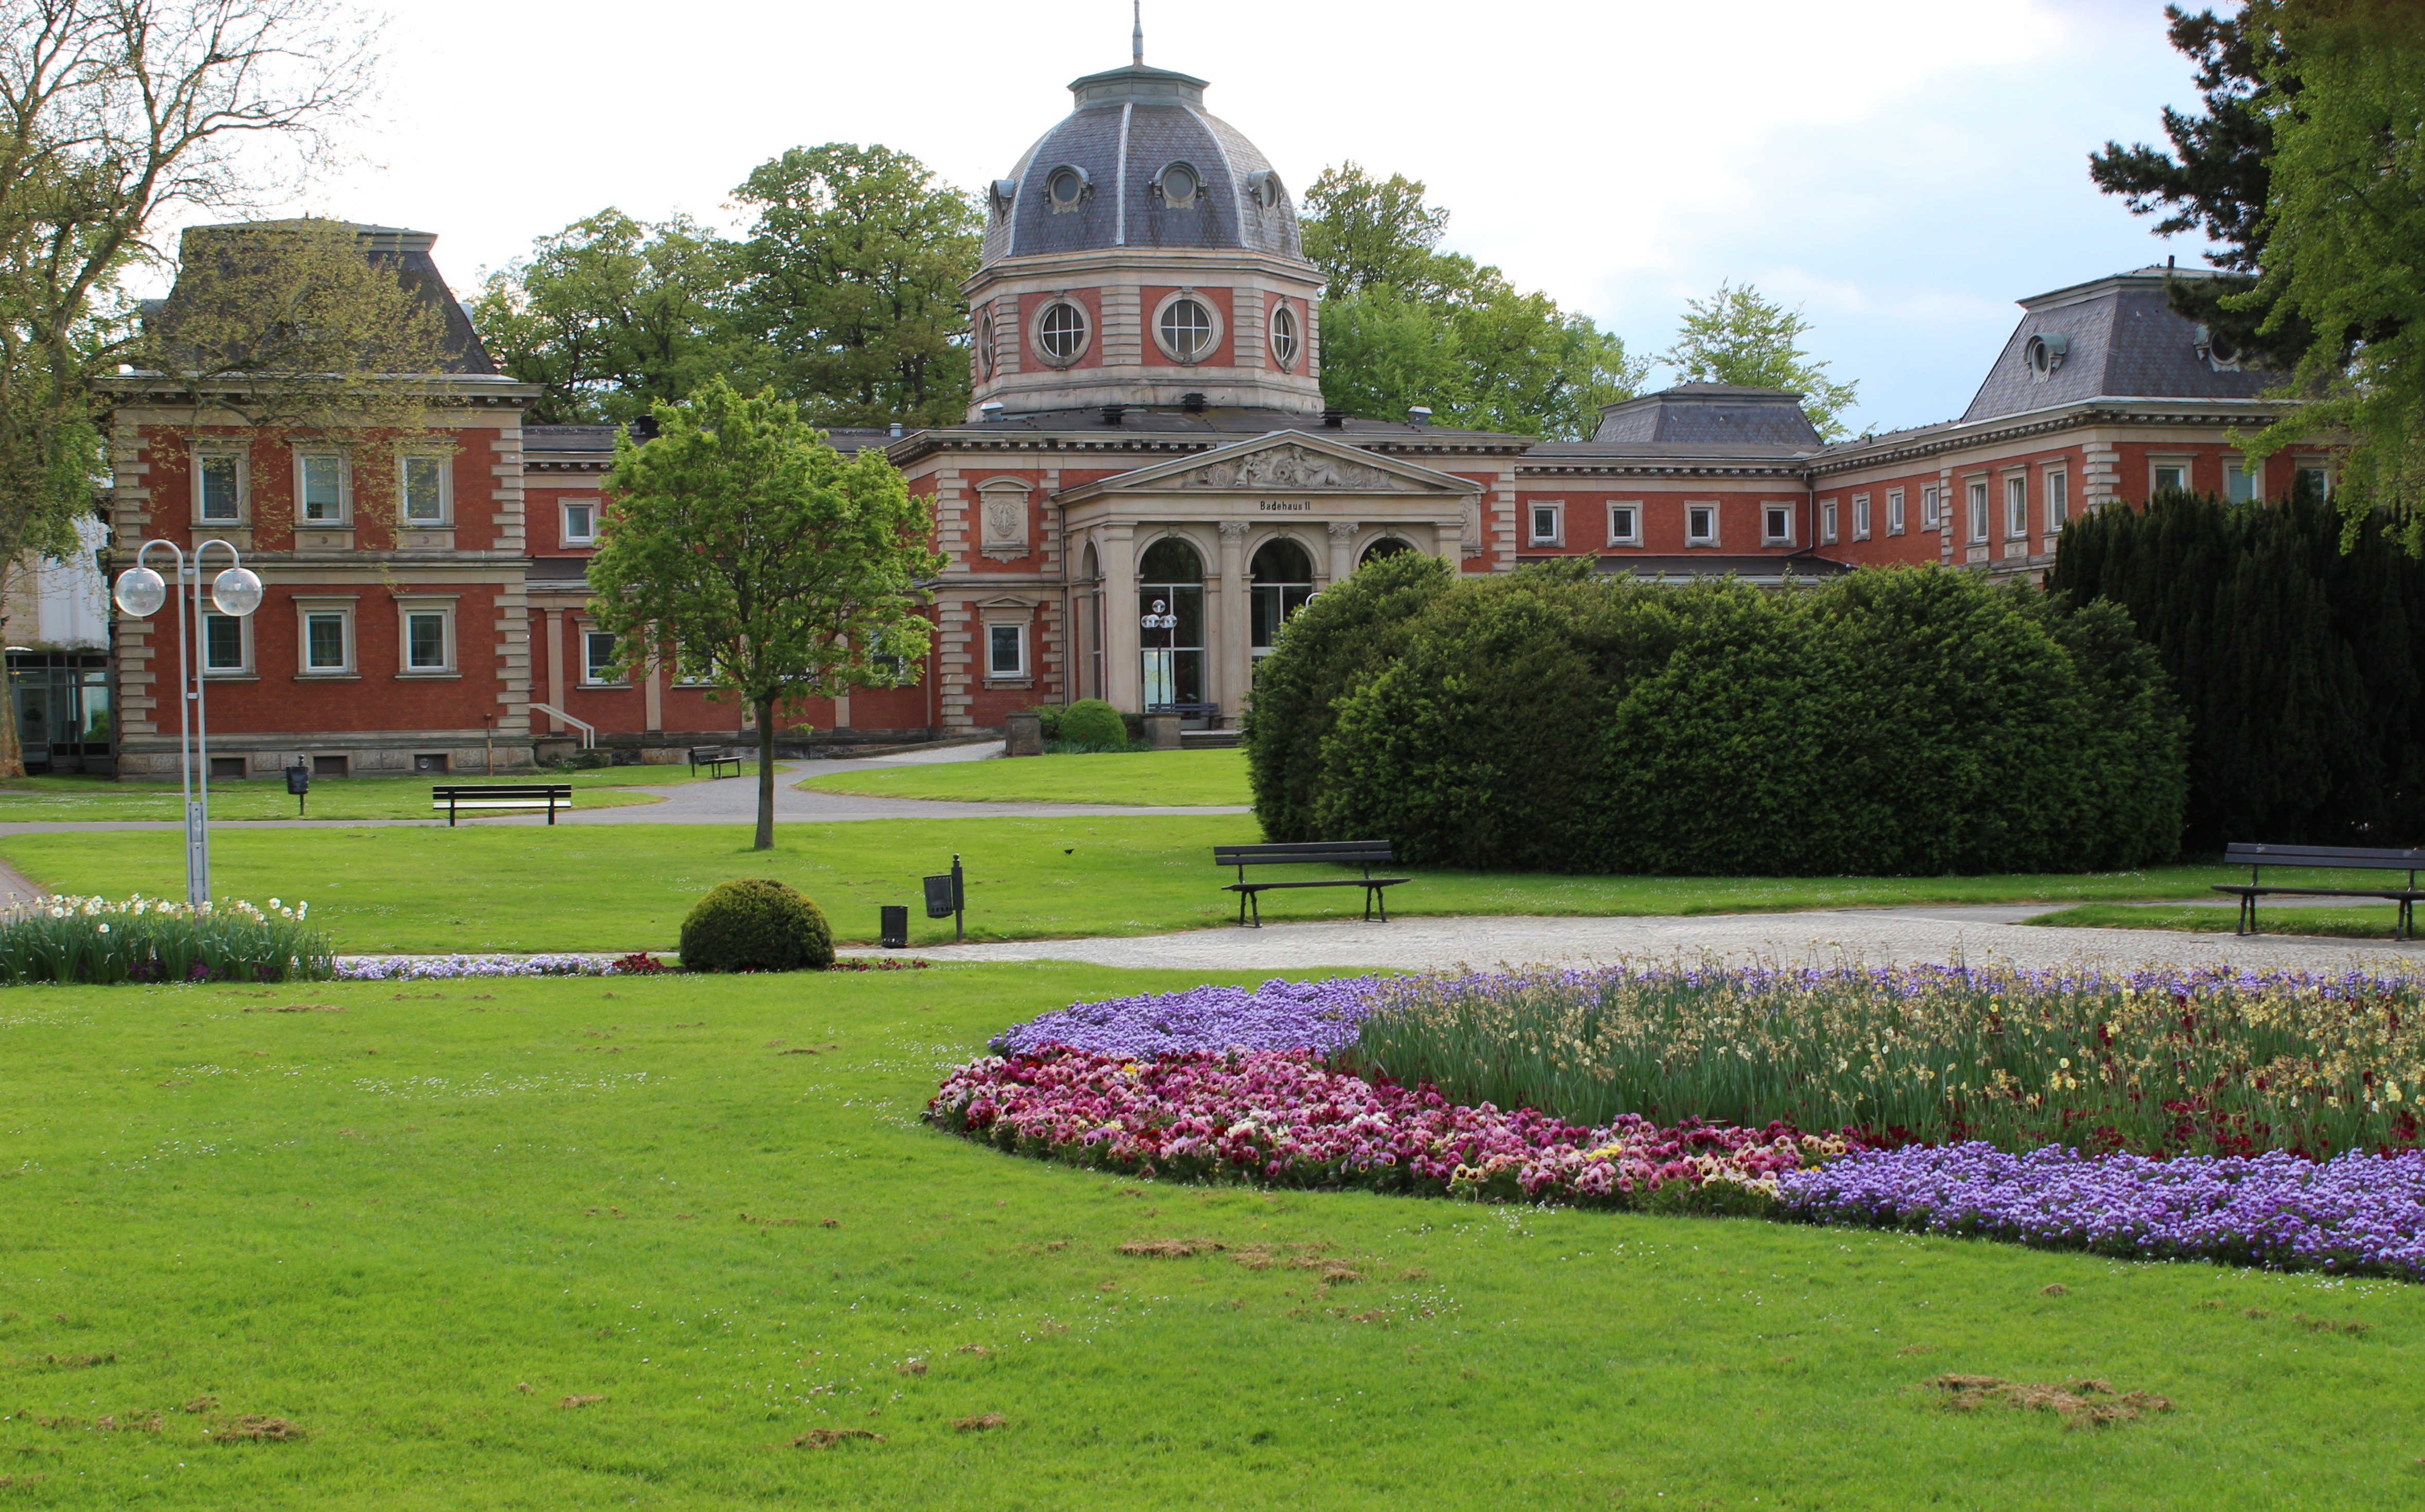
x: 1170, y: 610
x: 1283, y: 580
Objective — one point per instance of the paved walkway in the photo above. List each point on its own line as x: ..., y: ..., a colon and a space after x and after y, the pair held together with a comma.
x: 1875, y: 937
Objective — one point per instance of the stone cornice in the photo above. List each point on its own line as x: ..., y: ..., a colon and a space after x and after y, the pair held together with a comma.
x: 457, y: 388
x: 1962, y: 435
x: 1137, y: 266
x: 1108, y: 445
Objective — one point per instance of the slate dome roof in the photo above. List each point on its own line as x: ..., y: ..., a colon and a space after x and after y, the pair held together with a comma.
x: 1152, y: 169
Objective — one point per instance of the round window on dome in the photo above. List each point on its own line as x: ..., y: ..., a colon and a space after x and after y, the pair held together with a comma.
x: 1061, y: 333
x: 1066, y: 187
x: 984, y: 345
x: 1263, y: 187
x: 1177, y: 184
x: 1284, y: 337
x: 1186, y: 328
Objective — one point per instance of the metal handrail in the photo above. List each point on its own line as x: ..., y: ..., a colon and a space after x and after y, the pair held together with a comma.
x: 589, y: 730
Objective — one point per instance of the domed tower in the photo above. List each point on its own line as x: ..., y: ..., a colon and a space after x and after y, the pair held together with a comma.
x: 1142, y: 252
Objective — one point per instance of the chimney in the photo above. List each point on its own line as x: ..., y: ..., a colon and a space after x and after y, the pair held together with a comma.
x: 1112, y: 413
x: 642, y: 427
x: 1421, y: 414
x: 897, y: 430
x: 1192, y: 402
x: 990, y: 411
x: 1335, y: 419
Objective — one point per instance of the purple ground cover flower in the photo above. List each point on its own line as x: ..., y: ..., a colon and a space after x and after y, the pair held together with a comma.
x: 1278, y: 1015
x: 2355, y: 1214
x: 445, y: 968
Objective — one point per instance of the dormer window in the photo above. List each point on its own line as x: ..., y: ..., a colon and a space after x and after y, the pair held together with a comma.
x: 1002, y: 195
x: 2046, y: 354
x: 1068, y: 186
x: 1177, y: 184
x: 1263, y: 189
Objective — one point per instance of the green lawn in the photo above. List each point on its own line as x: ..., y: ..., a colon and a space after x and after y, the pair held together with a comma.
x: 1191, y: 778
x: 417, y: 1227
x: 621, y: 887
x: 2353, y: 922
x: 73, y: 798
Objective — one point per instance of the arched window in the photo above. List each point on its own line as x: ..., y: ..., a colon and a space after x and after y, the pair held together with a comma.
x: 1282, y: 571
x: 1386, y: 547
x: 1170, y: 612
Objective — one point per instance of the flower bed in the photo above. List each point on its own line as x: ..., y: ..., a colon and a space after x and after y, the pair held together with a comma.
x: 2355, y: 1212
x: 639, y: 963
x: 149, y: 940
x: 1278, y: 1015
x: 1278, y: 1116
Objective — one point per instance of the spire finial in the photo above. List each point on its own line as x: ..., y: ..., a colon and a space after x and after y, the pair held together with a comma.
x: 1136, y: 37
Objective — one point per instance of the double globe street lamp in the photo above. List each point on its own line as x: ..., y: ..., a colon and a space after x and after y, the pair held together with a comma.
x: 1161, y: 660
x: 235, y: 591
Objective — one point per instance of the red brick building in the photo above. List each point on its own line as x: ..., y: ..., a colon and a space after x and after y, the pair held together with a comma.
x: 1147, y: 484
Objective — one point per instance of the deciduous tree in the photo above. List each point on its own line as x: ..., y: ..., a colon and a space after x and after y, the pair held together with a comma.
x: 1739, y: 335
x: 741, y: 542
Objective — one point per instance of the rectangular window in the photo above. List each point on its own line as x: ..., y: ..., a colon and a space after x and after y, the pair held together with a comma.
x: 580, y: 522
x: 2058, y: 500
x: 2242, y: 484
x: 222, y: 642
x: 1931, y: 509
x: 1776, y: 524
x: 597, y: 657
x: 221, y: 482
x: 1005, y: 651
x: 425, y: 491
x: 424, y: 641
x: 1545, y: 524
x: 1624, y: 524
x: 1826, y: 523
x: 1978, y: 508
x: 322, y: 485
x: 1700, y: 525
x: 2316, y: 483
x: 691, y: 670
x: 2017, y: 506
x: 1860, y: 516
x: 324, y: 642
x: 1894, y: 511
x: 2170, y: 477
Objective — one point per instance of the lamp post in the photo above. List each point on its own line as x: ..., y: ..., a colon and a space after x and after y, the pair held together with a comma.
x: 235, y: 591
x: 1166, y: 657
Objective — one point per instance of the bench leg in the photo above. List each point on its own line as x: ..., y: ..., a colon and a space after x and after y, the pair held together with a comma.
x: 1256, y: 898
x: 551, y: 814
x: 450, y: 814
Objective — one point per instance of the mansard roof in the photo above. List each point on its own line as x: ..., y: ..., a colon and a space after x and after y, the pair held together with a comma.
x: 1728, y: 416
x: 2112, y: 337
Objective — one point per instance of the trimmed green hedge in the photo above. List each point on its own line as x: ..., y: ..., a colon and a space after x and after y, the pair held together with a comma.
x: 1902, y: 721
x: 756, y: 924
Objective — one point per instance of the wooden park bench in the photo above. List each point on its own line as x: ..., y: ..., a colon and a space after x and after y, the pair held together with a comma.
x: 2338, y: 857
x: 713, y: 758
x: 1366, y: 854
x: 1209, y: 713
x: 476, y: 796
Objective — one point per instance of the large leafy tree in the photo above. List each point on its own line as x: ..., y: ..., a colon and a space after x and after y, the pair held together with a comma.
x: 112, y: 114
x: 2216, y: 177
x: 1740, y: 335
x: 2345, y: 243
x: 1404, y: 324
x: 612, y: 315
x: 740, y: 542
x: 855, y: 264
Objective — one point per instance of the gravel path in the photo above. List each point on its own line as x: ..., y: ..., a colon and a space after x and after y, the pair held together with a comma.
x: 1874, y: 936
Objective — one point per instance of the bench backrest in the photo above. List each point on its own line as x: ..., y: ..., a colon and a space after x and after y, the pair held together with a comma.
x: 711, y: 754
x: 2355, y: 857
x: 503, y: 790
x: 1333, y: 852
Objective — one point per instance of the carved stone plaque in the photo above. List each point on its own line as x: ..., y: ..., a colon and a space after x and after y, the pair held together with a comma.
x: 1002, y: 521
x: 1289, y: 467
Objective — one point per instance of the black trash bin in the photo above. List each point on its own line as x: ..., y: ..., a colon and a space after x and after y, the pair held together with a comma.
x: 894, y: 931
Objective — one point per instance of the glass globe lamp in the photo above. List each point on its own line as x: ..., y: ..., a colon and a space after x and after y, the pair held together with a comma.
x: 140, y: 592
x: 235, y: 591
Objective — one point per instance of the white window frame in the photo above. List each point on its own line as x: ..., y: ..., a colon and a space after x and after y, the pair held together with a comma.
x: 2017, y: 506
x: 1215, y: 338
x: 2158, y: 466
x: 2253, y: 477
x: 1556, y: 510
x: 1632, y: 536
x: 309, y: 607
x: 2324, y: 475
x: 243, y: 484
x: 564, y: 519
x: 344, y: 515
x: 995, y: 631
x: 685, y: 679
x: 408, y: 606
x: 1894, y: 512
x: 1826, y: 522
x: 2057, y: 487
x: 1932, y: 507
x: 244, y: 645
x: 1860, y: 516
x: 590, y: 678
x: 1769, y: 509
x: 1717, y: 521
x: 1974, y: 491
x: 446, y: 515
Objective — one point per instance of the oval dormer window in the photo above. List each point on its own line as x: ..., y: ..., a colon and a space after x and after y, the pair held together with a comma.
x: 1263, y: 189
x: 1186, y: 329
x: 1068, y: 187
x: 1061, y: 332
x: 2046, y: 354
x: 1284, y: 338
x: 1179, y: 185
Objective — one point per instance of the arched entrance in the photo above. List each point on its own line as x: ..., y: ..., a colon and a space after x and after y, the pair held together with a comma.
x: 1282, y: 575
x: 1386, y: 547
x: 1170, y: 611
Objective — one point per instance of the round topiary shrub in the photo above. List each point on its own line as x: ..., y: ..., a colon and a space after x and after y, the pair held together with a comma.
x: 1093, y: 722
x: 755, y: 924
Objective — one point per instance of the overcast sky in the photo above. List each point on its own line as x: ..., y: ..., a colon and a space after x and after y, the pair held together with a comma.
x: 1903, y: 171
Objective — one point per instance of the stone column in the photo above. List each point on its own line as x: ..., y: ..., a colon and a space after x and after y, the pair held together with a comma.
x: 1343, y: 549
x: 554, y: 669
x: 1116, y: 547
x: 1232, y: 657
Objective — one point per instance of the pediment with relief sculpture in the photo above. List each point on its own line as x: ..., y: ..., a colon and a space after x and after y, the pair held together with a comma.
x: 1287, y: 466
